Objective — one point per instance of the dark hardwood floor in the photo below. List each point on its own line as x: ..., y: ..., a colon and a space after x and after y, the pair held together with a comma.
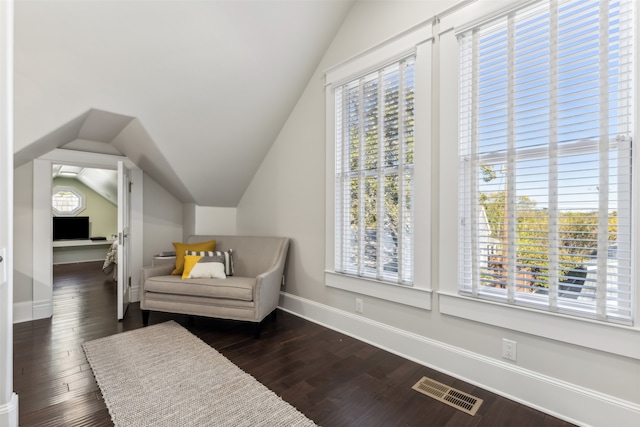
x: 333, y: 379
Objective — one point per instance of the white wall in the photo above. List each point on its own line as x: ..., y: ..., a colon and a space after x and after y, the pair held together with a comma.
x: 208, y: 220
x: 188, y: 220
x: 286, y: 197
x: 23, y: 235
x: 215, y: 221
x: 163, y: 218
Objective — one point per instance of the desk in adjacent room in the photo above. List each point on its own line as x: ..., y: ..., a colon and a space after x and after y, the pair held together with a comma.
x: 69, y: 251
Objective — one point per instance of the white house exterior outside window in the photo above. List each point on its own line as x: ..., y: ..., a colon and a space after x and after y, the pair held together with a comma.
x: 545, y: 159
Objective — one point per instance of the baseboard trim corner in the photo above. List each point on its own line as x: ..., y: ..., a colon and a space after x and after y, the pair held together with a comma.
x: 22, y: 312
x: 42, y: 309
x: 134, y: 294
x: 563, y: 400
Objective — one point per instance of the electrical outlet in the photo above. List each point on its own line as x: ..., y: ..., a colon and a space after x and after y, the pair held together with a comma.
x: 359, y: 305
x: 509, y: 349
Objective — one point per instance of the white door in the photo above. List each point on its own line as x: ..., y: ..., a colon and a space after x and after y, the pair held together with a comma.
x: 124, y: 241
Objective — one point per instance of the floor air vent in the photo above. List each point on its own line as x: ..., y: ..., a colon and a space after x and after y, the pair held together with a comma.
x: 445, y: 394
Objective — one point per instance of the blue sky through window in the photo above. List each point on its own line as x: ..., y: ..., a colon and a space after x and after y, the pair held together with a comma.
x: 527, y: 114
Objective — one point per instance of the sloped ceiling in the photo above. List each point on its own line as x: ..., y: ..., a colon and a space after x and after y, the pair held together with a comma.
x: 102, y: 132
x: 103, y: 181
x: 208, y: 84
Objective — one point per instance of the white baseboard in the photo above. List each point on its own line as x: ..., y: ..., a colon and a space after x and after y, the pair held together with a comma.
x: 570, y: 402
x: 42, y: 309
x: 22, y: 311
x: 9, y: 412
x: 134, y: 294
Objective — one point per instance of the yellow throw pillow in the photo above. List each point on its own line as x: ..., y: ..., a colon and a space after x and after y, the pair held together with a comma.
x: 182, y: 248
x: 189, y: 262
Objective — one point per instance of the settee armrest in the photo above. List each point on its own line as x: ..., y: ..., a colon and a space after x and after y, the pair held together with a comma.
x: 267, y: 291
x: 157, y: 270
x: 147, y: 272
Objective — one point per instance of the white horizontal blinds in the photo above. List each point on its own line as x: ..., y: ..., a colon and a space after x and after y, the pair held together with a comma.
x: 342, y: 215
x: 470, y: 219
x: 545, y: 158
x: 406, y: 144
x: 374, y: 174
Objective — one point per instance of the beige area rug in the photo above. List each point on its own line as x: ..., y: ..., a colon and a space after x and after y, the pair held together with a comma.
x: 162, y: 375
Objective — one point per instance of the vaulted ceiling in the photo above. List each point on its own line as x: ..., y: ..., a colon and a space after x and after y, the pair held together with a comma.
x: 195, y: 92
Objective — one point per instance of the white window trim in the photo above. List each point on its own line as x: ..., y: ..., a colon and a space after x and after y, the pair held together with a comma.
x: 608, y: 337
x: 76, y: 211
x: 419, y: 41
x: 612, y: 338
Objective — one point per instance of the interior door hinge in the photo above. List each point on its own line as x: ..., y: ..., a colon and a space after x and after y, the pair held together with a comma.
x: 129, y: 281
x: 130, y: 184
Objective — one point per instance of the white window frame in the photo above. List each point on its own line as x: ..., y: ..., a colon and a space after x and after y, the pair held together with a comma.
x: 606, y: 337
x: 81, y: 199
x: 471, y: 255
x: 418, y: 42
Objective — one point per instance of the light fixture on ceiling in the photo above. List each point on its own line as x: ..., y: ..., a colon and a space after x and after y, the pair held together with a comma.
x: 69, y: 174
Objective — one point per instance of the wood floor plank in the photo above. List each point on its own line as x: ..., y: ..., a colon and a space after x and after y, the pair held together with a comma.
x: 333, y: 379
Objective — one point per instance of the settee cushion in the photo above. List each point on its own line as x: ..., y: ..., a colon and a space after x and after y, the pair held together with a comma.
x: 234, y: 287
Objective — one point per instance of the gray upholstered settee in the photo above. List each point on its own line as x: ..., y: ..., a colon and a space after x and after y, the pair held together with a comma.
x: 251, y: 294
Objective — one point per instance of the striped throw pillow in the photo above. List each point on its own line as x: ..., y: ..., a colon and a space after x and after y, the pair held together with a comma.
x: 225, y: 257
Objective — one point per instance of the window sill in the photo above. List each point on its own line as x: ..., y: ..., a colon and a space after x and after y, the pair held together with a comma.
x: 411, y: 296
x: 610, y: 338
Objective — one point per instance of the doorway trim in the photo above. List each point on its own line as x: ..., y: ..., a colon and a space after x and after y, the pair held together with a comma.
x: 42, y: 249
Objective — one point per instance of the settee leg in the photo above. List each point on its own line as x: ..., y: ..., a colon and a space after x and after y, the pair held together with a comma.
x: 145, y: 317
x: 256, y: 330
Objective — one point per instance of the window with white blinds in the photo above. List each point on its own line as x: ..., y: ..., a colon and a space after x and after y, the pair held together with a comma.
x: 545, y: 159
x: 374, y: 143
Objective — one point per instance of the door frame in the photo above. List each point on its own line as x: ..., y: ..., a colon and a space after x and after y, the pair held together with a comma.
x: 8, y: 398
x: 124, y: 240
x: 42, y: 302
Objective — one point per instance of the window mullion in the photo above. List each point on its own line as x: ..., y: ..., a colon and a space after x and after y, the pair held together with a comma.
x: 381, y: 174
x: 553, y: 214
x: 401, y: 183
x: 603, y: 186
x: 474, y: 168
x: 340, y: 185
x: 362, y: 179
x: 510, y: 199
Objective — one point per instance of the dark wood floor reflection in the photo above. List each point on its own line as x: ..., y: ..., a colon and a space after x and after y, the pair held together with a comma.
x: 333, y: 379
